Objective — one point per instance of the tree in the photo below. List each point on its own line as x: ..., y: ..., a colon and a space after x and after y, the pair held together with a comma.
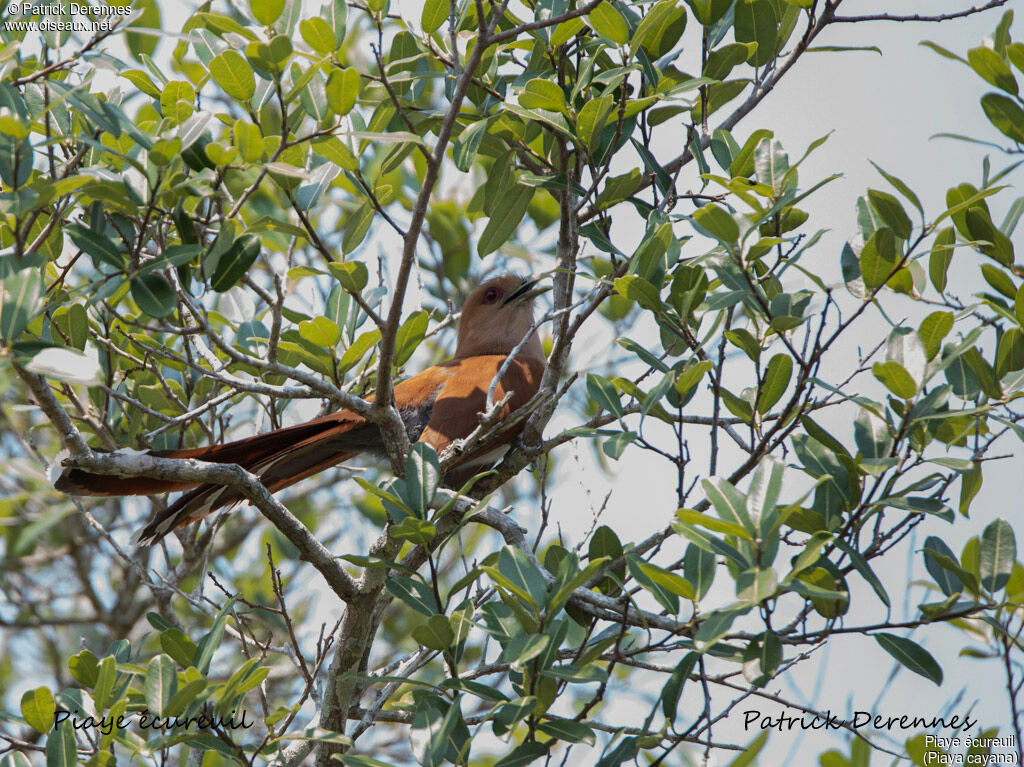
x: 237, y: 229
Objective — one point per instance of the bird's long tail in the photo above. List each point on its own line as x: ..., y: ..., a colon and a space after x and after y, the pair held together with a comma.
x: 280, y: 458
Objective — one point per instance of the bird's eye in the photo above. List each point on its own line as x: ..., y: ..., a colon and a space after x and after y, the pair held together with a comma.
x: 492, y: 295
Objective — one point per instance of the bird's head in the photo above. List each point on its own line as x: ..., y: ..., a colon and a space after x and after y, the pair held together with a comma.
x: 497, y: 315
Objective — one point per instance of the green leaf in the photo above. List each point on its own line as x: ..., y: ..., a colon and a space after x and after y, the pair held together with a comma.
x: 605, y: 543
x: 22, y: 294
x: 211, y: 640
x: 879, y: 258
x: 1010, y: 353
x: 1005, y: 114
x: 891, y: 212
x: 673, y: 688
x: 357, y: 350
x: 943, y: 51
x: 861, y: 565
x: 980, y: 227
x: 715, y: 625
x: 900, y: 186
x: 141, y: 80
x: 61, y: 750
x: 234, y: 75
x: 668, y: 580
x: 266, y: 12
x: 409, y: 335
x: 522, y: 574
x: 699, y: 569
x: 412, y: 592
x: 186, y: 694
x: 934, y: 328
x: 730, y: 504
x: 422, y: 476
x: 467, y: 145
x: 659, y: 31
x: 161, y: 684
x: 604, y: 394
x: 756, y: 22
x: 771, y: 164
x: 105, y: 682
x: 942, y: 565
x: 640, y: 571
x: 707, y: 12
x: 318, y: 35
x: 15, y: 759
x: 640, y: 290
x: 763, y: 495
x: 692, y: 517
x: 482, y: 691
x: 343, y: 90
x: 434, y: 14
x: 176, y: 101
x: 999, y: 280
x: 84, y: 667
x: 523, y: 754
x: 986, y: 375
x: 508, y: 213
x: 992, y: 68
x: 320, y: 331
x: 540, y: 93
x: 565, y: 31
x: 436, y: 633
x: 523, y: 648
x: 910, y: 654
x: 99, y: 248
x: 568, y: 730
x: 742, y: 165
x: 717, y: 223
x: 334, y: 149
x: 351, y: 275
x: 756, y: 585
x: 998, y: 555
x: 247, y: 676
x: 749, y: 754
x: 359, y: 760
x: 249, y: 141
x: 776, y: 379
x: 177, y: 645
x: 607, y: 21
x: 578, y: 674
x: 38, y: 708
x: 761, y: 658
x: 940, y: 258
x: 235, y: 263
x: 153, y: 294
x: 616, y: 445
x: 590, y: 123
x: 872, y: 435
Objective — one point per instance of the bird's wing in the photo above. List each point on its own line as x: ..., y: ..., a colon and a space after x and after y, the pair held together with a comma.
x: 456, y: 414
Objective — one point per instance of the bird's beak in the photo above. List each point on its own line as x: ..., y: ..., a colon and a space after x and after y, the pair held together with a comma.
x: 526, y: 292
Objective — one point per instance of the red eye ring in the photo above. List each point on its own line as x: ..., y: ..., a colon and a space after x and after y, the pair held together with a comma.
x: 492, y: 295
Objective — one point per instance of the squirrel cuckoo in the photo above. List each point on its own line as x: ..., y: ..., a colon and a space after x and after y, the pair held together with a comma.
x: 438, y: 406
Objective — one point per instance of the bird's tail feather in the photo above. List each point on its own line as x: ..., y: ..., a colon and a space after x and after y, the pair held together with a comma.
x: 205, y: 499
x: 245, y: 452
x: 280, y: 458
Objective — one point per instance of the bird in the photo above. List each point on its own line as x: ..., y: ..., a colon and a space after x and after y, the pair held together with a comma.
x: 438, y: 406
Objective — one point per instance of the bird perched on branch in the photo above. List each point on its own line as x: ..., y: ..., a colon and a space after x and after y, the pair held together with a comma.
x: 439, y: 406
